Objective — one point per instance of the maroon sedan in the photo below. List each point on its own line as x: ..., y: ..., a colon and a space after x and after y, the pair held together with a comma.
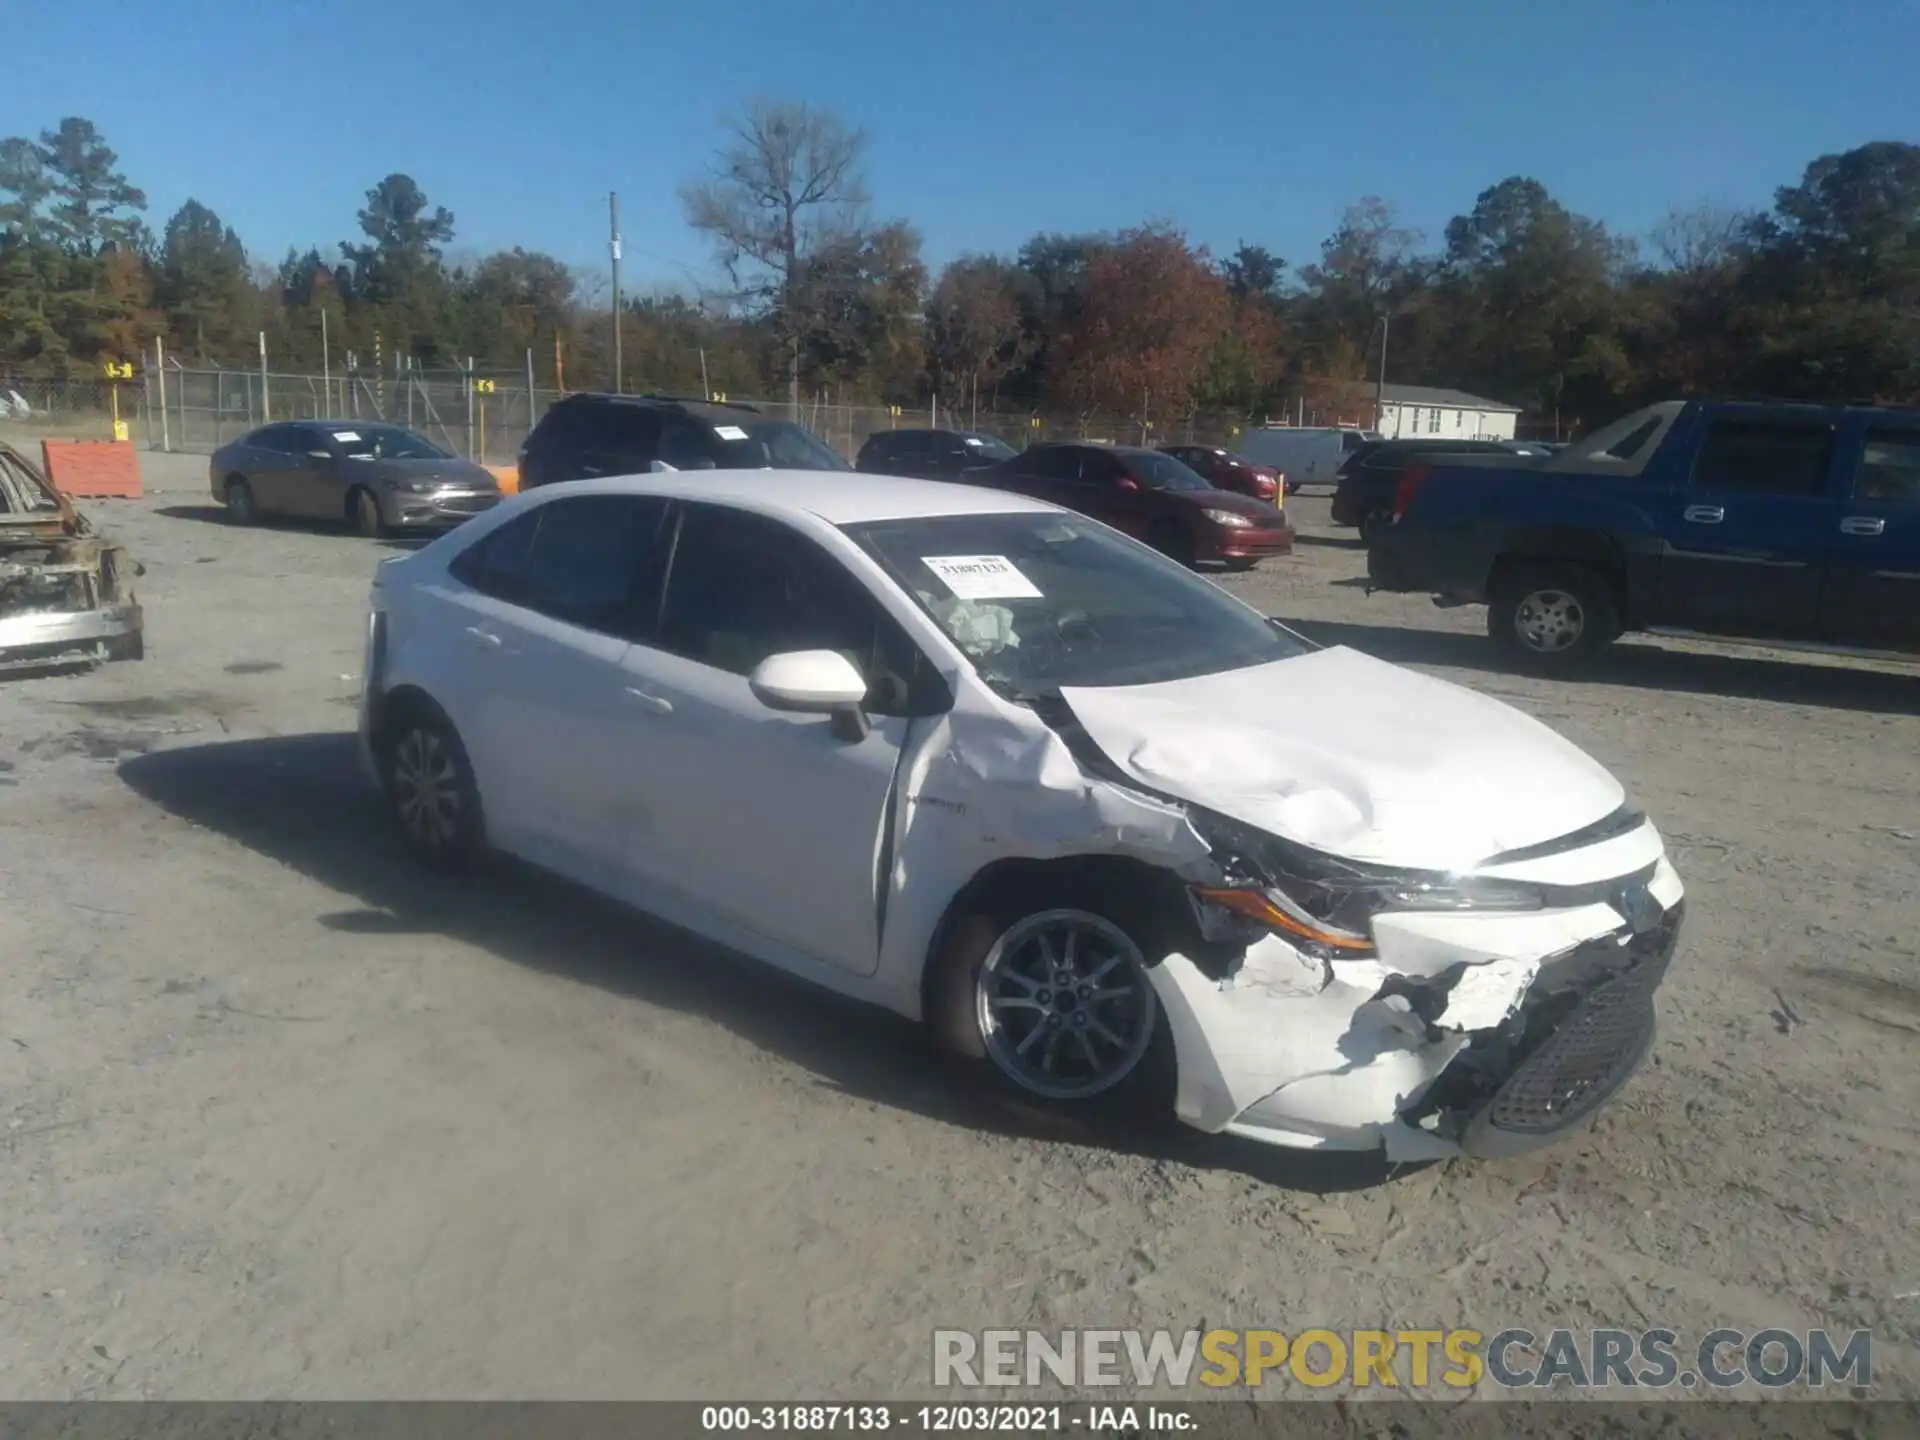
x: 1229, y: 471
x: 1150, y: 496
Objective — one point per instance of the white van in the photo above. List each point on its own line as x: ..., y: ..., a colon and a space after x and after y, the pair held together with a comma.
x: 1305, y: 455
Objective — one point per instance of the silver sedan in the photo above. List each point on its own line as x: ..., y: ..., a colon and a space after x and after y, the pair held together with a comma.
x: 380, y: 478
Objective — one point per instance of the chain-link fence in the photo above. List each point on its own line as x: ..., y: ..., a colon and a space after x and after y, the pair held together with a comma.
x: 35, y: 410
x: 475, y: 414
x: 487, y: 415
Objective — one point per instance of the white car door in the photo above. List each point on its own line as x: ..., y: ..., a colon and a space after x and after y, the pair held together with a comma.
x: 774, y: 822
x: 547, y: 719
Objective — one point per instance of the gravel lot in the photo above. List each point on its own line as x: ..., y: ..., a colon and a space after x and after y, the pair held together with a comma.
x: 282, y: 1118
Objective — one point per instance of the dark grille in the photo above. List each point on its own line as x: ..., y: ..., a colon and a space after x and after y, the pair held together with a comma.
x: 468, y: 504
x: 1584, y: 1028
x: 1584, y: 1058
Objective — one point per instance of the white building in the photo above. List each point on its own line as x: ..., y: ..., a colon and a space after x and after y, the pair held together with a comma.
x: 1409, y: 412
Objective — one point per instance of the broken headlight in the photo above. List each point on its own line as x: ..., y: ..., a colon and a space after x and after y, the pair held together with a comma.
x: 1327, y: 905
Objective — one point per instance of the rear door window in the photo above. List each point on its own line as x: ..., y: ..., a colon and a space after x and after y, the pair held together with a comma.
x: 595, y: 562
x: 1764, y: 457
x: 1889, y: 471
x: 629, y: 435
x: 495, y: 564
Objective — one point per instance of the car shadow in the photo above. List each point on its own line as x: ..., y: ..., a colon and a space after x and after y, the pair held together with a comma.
x: 302, y: 800
x: 1649, y: 666
x: 217, y: 515
x: 1331, y: 542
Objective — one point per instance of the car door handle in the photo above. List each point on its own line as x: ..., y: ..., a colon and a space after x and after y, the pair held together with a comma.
x: 657, y: 704
x: 1862, y: 525
x: 1704, y: 514
x: 485, y: 637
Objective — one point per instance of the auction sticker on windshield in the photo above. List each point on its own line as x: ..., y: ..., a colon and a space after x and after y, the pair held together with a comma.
x: 981, y: 577
x: 346, y: 436
x: 729, y: 432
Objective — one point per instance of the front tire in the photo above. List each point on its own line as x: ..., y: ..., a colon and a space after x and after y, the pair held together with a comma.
x: 431, y: 791
x: 1175, y: 542
x: 364, y: 508
x: 1055, y: 1002
x: 241, y: 506
x: 1552, y: 617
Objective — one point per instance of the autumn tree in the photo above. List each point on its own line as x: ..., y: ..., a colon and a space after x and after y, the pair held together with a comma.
x: 975, y: 330
x: 1149, y: 314
x: 785, y: 185
x: 861, y: 295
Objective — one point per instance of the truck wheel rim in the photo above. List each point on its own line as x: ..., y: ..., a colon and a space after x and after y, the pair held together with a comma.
x: 1065, y: 1005
x: 1549, y: 621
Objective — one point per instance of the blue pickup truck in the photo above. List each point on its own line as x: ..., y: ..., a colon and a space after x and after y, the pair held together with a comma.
x: 1795, y: 524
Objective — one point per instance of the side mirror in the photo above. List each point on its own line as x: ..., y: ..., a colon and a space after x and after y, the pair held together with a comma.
x: 660, y: 467
x: 814, y: 682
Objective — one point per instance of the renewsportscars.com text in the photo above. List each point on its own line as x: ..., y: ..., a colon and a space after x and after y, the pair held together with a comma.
x: 1511, y: 1359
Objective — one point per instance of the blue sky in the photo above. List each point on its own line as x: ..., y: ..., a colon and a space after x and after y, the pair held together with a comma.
x: 1239, y: 119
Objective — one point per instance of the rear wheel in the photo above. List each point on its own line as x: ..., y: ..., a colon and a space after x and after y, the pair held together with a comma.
x: 1374, y: 523
x: 430, y: 788
x: 1553, y: 615
x: 241, y: 509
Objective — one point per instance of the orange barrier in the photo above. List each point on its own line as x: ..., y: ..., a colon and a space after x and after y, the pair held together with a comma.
x: 508, y: 476
x: 92, y: 469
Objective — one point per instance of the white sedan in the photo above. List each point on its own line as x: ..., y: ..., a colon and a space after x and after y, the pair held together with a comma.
x: 1111, y: 832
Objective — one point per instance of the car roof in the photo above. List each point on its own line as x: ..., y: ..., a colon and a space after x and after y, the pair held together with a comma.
x: 840, y: 497
x: 714, y: 412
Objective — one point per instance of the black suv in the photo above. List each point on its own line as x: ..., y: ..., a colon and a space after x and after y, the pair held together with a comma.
x: 587, y: 435
x: 930, y: 454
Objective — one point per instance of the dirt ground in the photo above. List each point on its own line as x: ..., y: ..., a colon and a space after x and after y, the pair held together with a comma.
x: 281, y: 1118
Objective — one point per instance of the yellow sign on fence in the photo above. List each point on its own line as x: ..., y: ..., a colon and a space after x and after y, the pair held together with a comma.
x: 483, y: 387
x: 119, y: 370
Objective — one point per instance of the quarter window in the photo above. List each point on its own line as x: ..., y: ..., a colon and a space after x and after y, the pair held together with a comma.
x: 1764, y: 457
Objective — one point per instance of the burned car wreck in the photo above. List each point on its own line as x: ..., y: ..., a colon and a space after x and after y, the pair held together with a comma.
x: 66, y: 596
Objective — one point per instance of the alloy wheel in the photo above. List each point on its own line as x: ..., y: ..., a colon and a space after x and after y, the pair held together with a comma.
x: 1065, y: 1005
x: 426, y: 789
x: 1549, y: 621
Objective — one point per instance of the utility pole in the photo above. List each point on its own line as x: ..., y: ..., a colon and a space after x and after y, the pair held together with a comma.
x: 613, y: 248
x: 1380, y: 384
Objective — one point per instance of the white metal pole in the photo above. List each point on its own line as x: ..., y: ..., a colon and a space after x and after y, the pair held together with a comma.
x: 326, y: 365
x: 266, y: 401
x: 160, y: 379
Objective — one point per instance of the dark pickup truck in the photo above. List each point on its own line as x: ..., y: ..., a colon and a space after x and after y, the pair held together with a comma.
x: 1797, y: 524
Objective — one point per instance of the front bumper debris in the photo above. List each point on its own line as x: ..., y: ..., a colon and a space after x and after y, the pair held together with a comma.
x: 1477, y: 1034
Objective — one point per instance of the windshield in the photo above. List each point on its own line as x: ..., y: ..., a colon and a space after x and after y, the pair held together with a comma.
x: 775, y: 445
x: 1038, y: 601
x: 988, y: 449
x: 385, y: 442
x: 1162, y: 472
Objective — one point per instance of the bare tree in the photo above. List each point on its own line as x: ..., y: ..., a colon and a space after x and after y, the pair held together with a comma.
x: 785, y: 185
x: 1693, y: 241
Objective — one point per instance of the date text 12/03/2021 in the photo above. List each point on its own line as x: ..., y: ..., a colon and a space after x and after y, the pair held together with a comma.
x: 1091, y: 1419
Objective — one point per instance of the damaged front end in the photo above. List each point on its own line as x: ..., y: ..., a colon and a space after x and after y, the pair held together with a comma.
x: 66, y: 595
x: 1427, y: 1015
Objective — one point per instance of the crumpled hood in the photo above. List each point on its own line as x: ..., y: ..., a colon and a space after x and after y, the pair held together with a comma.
x: 1354, y: 757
